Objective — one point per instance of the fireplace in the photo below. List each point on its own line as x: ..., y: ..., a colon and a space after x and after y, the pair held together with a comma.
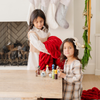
x: 14, y: 44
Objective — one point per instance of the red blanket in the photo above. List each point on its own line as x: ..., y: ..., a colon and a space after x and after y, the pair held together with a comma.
x: 91, y: 94
x: 53, y: 47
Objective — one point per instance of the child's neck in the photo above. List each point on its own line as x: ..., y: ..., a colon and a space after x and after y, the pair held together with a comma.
x: 70, y: 60
x: 38, y: 28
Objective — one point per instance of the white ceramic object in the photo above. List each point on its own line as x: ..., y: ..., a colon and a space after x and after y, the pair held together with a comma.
x: 50, y: 75
x: 43, y: 74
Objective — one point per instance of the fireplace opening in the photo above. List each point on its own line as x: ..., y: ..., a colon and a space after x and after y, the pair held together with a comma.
x: 14, y: 45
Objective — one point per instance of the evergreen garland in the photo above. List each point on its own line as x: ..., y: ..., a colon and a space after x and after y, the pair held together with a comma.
x: 87, y: 48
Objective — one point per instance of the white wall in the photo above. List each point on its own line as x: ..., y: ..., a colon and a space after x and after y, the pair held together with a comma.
x: 13, y: 10
x: 97, y: 37
x: 98, y: 16
x: 79, y: 21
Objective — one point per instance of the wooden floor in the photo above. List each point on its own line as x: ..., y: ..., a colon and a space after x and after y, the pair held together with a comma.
x: 90, y: 81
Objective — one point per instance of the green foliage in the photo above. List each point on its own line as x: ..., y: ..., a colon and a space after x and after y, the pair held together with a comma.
x: 87, y: 49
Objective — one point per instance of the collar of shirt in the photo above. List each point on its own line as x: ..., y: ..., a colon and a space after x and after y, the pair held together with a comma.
x: 66, y: 61
x: 34, y: 28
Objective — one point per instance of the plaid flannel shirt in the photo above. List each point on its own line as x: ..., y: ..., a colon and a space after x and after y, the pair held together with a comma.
x: 73, y: 81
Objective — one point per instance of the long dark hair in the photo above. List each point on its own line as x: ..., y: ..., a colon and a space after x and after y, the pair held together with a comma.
x: 76, y: 52
x: 37, y: 13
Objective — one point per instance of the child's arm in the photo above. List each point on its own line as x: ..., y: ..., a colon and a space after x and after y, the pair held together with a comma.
x: 77, y: 73
x: 37, y: 43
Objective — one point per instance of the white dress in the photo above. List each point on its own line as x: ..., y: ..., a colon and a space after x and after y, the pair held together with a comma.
x: 33, y: 59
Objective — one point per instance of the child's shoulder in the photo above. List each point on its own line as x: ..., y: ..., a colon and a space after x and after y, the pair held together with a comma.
x: 77, y: 63
x: 45, y: 30
x: 31, y: 31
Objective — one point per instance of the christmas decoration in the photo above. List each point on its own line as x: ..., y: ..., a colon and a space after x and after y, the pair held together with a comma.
x: 51, y: 16
x: 86, y: 34
x: 44, y: 5
x: 61, y: 13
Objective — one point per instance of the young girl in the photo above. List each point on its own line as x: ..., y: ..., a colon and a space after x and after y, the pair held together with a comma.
x: 72, y: 70
x: 38, y: 33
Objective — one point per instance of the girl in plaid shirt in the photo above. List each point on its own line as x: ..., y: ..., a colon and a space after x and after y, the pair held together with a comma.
x: 72, y: 70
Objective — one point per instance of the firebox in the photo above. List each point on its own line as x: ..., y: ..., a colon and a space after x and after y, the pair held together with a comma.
x: 14, y: 46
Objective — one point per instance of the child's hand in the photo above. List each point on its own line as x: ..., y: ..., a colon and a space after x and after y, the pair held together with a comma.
x: 62, y: 70
x: 58, y: 68
x: 60, y: 74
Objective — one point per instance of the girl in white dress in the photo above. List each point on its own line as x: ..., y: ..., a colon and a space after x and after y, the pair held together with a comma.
x: 72, y: 70
x: 38, y: 33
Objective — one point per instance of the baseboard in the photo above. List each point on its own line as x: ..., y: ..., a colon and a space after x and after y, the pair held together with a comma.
x: 13, y: 67
x: 90, y: 69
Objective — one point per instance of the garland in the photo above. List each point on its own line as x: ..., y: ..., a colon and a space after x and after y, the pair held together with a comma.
x: 87, y: 47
